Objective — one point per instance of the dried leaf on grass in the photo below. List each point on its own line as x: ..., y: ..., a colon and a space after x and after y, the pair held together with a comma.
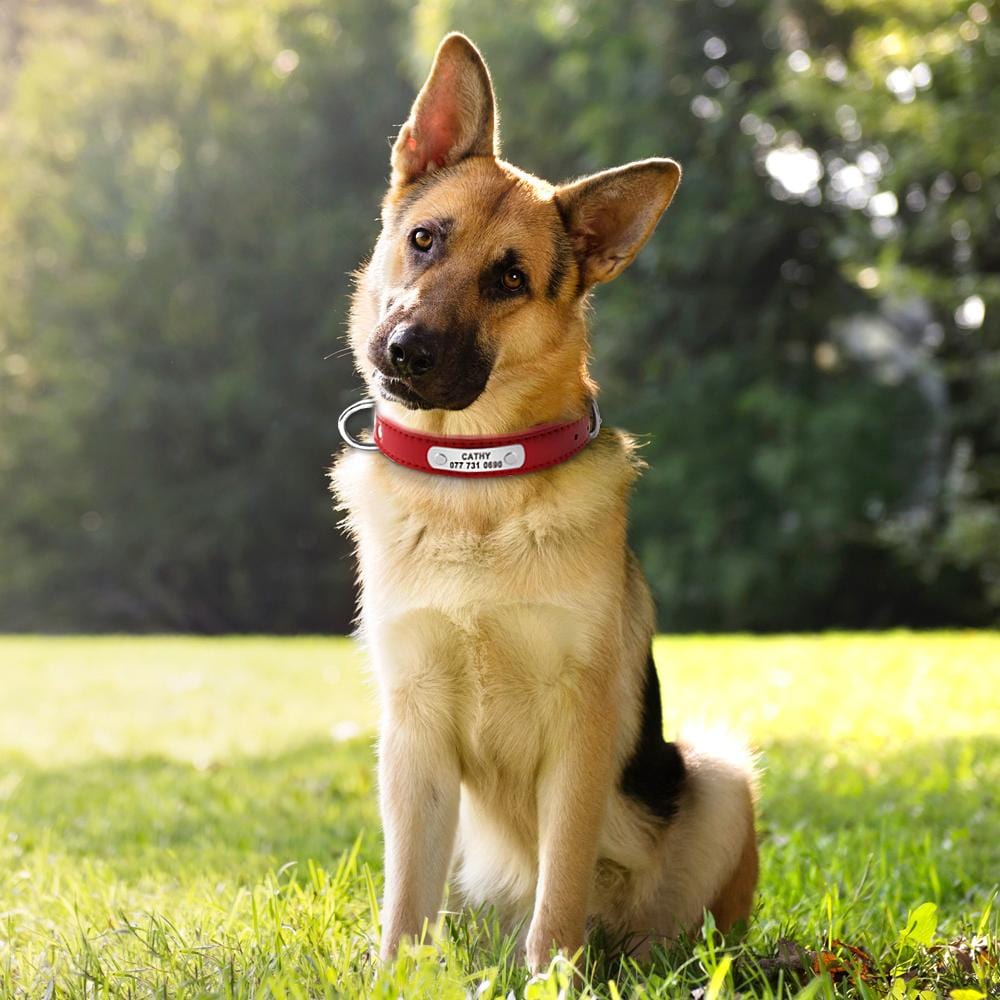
x: 852, y: 962
x: 789, y: 958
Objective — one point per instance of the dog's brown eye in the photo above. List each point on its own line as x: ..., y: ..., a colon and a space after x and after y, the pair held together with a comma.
x: 422, y: 239
x: 513, y: 279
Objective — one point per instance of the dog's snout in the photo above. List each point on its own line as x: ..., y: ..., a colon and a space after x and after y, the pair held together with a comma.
x: 411, y: 352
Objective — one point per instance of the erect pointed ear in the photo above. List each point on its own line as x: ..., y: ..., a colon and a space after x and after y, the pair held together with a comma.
x: 610, y: 215
x: 453, y: 116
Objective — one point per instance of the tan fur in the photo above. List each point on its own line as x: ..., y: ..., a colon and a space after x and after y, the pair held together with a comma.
x: 507, y: 622
x: 735, y: 900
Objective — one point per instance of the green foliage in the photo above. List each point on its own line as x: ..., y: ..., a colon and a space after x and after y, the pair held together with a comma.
x: 182, y: 208
x: 197, y: 819
x: 810, y: 343
x: 920, y: 926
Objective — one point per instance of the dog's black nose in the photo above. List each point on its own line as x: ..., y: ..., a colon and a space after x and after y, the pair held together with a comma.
x: 410, y: 351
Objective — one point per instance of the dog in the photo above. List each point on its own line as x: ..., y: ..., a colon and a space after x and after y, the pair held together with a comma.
x: 521, y: 756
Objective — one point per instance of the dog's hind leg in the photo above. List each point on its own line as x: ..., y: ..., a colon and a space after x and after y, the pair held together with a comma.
x: 708, y: 853
x: 734, y: 903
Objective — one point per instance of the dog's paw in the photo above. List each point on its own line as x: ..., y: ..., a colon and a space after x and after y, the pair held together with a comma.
x: 544, y: 945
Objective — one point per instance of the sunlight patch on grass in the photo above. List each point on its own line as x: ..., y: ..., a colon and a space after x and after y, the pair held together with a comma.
x: 187, y: 699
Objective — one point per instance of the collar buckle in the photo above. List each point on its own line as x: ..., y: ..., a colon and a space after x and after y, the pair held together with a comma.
x: 595, y: 419
x: 349, y: 439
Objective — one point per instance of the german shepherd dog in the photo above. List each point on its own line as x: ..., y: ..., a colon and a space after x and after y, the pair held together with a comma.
x: 521, y: 753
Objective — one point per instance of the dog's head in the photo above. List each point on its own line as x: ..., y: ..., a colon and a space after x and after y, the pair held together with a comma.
x: 472, y: 300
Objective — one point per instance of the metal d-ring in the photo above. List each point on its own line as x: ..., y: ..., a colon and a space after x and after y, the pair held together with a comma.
x: 595, y: 420
x: 364, y: 404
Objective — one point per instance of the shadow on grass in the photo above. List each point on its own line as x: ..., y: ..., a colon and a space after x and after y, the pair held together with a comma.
x: 156, y: 816
x: 918, y: 824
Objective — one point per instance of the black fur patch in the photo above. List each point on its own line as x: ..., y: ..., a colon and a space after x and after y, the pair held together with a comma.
x: 456, y: 381
x: 501, y: 198
x: 420, y: 260
x: 490, y: 280
x: 463, y: 375
x: 563, y: 258
x: 654, y: 774
x: 581, y: 284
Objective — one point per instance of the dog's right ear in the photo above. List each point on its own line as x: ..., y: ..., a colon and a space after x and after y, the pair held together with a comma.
x: 454, y: 115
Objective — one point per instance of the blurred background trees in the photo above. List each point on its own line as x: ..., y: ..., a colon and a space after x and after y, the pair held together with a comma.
x: 810, y: 345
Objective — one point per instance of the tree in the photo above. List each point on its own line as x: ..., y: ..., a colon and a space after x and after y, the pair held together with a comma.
x: 186, y: 190
x: 808, y: 345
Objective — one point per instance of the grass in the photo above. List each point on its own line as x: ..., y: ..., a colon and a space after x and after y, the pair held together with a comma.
x: 196, y: 818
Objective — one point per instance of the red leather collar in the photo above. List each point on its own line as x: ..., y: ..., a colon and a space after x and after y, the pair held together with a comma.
x: 474, y: 457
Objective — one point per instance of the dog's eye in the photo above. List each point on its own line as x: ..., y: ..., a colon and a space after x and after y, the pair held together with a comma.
x: 422, y: 239
x: 513, y: 279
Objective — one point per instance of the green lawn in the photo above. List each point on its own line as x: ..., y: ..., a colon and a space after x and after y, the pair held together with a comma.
x: 197, y: 818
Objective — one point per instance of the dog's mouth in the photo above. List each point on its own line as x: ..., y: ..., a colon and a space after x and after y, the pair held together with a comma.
x: 397, y: 390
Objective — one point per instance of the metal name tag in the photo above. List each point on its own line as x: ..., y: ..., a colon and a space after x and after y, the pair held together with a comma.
x: 510, y: 456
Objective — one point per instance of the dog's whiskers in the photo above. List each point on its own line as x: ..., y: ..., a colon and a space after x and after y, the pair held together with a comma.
x: 339, y: 353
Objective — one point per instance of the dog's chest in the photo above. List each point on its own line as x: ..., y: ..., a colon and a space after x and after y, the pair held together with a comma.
x: 484, y: 622
x: 419, y: 558
x: 508, y: 676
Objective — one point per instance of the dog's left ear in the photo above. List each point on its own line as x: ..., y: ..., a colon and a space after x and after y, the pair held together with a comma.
x: 610, y: 215
x: 454, y: 115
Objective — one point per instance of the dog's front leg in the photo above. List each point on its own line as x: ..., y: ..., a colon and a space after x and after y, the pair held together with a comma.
x: 572, y: 793
x: 419, y: 790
